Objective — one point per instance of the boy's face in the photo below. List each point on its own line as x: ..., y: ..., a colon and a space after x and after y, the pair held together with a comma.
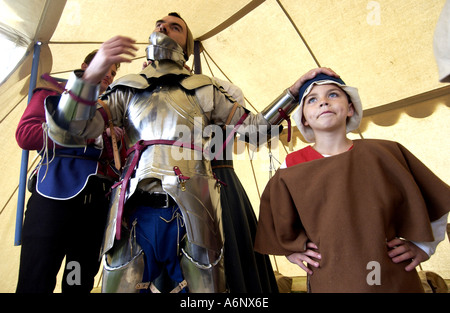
x: 326, y: 107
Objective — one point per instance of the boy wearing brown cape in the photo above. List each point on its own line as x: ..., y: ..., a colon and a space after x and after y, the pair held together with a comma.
x: 350, y: 209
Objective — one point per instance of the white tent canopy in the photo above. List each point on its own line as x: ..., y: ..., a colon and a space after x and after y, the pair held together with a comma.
x: 384, y: 48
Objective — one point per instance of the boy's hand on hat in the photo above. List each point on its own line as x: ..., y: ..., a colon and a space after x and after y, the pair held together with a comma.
x: 310, y: 75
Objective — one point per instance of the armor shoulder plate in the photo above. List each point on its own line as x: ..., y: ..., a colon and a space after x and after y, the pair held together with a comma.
x: 196, y: 81
x: 217, y: 85
x: 131, y: 80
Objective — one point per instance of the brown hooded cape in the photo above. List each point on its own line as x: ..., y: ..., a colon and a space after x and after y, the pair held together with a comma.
x: 350, y: 205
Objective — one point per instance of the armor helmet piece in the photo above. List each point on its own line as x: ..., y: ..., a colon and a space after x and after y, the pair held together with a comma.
x: 162, y: 47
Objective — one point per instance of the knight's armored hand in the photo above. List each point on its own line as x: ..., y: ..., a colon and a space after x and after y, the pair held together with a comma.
x: 118, y: 49
x: 310, y: 75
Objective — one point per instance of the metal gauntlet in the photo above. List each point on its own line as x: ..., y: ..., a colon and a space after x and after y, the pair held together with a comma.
x: 285, y: 102
x: 67, y: 118
x: 78, y: 102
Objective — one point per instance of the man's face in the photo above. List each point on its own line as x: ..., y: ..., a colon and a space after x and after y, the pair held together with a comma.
x: 108, y: 78
x: 173, y: 27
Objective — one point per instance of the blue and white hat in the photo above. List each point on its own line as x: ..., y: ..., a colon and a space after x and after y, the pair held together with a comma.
x: 323, y: 79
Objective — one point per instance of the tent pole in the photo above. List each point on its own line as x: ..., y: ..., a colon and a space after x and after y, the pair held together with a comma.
x: 24, y: 162
x: 197, y: 62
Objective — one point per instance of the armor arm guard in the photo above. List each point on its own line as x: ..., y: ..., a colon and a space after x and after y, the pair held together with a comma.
x: 286, y: 102
x: 72, y: 118
x: 256, y: 128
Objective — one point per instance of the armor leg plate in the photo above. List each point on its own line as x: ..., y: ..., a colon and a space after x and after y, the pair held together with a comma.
x: 123, y: 266
x: 202, y: 260
x: 202, y: 278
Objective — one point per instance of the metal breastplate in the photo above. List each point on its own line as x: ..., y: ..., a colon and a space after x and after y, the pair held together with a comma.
x: 166, y: 113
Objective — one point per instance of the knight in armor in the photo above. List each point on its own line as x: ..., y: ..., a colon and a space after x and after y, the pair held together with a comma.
x: 165, y: 212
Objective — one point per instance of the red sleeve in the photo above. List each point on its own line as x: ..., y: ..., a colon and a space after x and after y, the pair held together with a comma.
x: 303, y: 155
x: 29, y: 131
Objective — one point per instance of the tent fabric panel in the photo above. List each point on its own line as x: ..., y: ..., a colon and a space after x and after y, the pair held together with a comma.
x: 387, y: 60
x: 137, y: 18
x: 268, y: 61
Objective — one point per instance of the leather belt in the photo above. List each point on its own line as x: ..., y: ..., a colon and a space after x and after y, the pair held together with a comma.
x: 138, y: 148
x: 221, y: 164
x: 158, y: 200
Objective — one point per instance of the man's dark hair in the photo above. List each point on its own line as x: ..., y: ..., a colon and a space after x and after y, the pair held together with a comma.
x: 175, y: 14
